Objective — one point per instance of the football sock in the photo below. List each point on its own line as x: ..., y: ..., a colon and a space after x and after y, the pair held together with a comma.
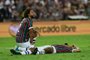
x: 26, y: 52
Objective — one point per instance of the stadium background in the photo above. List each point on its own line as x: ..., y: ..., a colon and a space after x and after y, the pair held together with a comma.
x: 58, y: 21
x: 52, y: 13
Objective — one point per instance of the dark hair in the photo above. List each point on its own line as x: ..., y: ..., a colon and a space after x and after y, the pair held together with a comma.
x: 66, y: 43
x: 26, y: 12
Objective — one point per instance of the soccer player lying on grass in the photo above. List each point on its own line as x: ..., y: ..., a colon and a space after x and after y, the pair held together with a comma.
x: 48, y: 49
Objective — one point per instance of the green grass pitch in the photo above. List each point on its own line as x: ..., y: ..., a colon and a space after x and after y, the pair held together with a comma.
x: 83, y: 41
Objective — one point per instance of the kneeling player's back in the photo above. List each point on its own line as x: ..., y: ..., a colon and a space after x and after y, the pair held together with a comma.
x: 23, y: 32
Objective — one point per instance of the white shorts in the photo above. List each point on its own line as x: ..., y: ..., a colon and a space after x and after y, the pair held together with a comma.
x: 25, y: 45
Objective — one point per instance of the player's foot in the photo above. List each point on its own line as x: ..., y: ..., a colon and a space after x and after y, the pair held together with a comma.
x: 15, y: 52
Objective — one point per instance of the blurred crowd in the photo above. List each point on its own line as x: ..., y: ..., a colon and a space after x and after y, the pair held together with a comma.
x: 46, y: 9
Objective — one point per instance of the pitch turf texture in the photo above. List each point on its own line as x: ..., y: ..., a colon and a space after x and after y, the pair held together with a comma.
x: 83, y: 41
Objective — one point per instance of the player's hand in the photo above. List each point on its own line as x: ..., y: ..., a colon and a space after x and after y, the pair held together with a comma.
x: 33, y: 41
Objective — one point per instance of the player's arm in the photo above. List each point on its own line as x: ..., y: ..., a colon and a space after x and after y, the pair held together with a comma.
x: 32, y: 34
x: 48, y: 50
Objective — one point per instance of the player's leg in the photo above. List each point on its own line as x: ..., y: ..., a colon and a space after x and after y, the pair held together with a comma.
x: 17, y: 48
x: 20, y: 53
x: 23, y: 46
x: 15, y: 52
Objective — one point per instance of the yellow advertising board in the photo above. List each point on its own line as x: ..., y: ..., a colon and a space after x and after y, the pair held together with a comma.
x: 51, y: 28
x: 63, y: 27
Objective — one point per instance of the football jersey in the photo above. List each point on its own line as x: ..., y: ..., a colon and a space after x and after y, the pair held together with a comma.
x: 23, y: 31
x: 62, y: 48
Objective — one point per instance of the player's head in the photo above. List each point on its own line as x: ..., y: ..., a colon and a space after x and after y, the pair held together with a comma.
x: 75, y: 48
x: 29, y: 13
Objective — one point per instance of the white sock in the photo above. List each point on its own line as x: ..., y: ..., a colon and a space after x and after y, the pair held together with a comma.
x: 26, y: 52
x: 22, y: 49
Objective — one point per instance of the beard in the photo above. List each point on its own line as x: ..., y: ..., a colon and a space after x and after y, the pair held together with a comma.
x: 33, y: 17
